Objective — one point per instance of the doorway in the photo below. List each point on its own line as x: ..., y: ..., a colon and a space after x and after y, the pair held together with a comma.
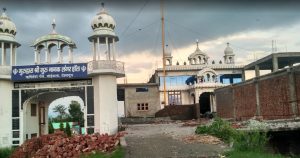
x: 205, y: 101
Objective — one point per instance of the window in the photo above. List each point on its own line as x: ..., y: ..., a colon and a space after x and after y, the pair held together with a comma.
x: 33, y: 135
x: 174, y: 97
x: 33, y: 109
x: 141, y: 89
x: 142, y: 107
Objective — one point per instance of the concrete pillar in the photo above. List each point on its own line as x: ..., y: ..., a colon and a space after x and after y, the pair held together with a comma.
x: 257, y: 98
x: 70, y: 54
x: 15, y: 55
x: 94, y: 50
x: 35, y: 56
x: 275, y: 63
x: 46, y: 55
x: 257, y: 74
x: 59, y: 55
x: 105, y: 104
x: 3, y: 54
x: 38, y: 56
x: 114, y: 49
x: 243, y: 75
x: 12, y: 56
x: 109, y: 50
x: 107, y: 45
x: 98, y: 47
x: 293, y: 93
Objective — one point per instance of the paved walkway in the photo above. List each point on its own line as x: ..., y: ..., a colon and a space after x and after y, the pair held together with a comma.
x: 165, y: 140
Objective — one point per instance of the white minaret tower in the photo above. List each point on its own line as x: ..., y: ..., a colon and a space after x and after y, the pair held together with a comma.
x: 104, y: 72
x: 229, y: 55
x: 8, y: 45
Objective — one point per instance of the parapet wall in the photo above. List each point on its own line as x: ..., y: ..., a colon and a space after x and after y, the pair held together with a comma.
x: 272, y: 96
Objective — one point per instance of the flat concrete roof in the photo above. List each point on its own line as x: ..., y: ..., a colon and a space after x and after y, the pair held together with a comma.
x: 266, y: 63
x: 137, y: 84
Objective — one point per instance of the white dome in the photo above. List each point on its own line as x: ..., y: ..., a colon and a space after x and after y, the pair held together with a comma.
x: 228, y: 50
x: 103, y: 21
x: 7, y: 26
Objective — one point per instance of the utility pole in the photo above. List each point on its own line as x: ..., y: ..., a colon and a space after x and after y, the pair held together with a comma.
x: 163, y: 47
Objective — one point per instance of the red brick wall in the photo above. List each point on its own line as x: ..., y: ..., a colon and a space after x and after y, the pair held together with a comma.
x: 297, y: 82
x: 244, y: 101
x: 224, y: 102
x: 274, y: 98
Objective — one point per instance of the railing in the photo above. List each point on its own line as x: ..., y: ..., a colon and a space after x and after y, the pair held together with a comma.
x: 106, y: 66
x: 5, y: 72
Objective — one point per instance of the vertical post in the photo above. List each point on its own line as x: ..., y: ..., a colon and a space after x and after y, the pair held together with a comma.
x: 12, y: 60
x: 38, y: 56
x: 46, y: 55
x: 275, y: 63
x: 114, y: 48
x: 107, y: 46
x: 257, y: 73
x: 59, y: 55
x: 94, y: 49
x: 163, y: 46
x: 35, y: 56
x: 243, y: 75
x: 293, y: 92
x: 257, y: 97
x: 15, y: 54
x: 49, y: 55
x: 70, y: 55
x: 98, y: 47
x: 3, y: 54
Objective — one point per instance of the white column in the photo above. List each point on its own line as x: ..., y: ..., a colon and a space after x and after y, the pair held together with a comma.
x: 114, y: 49
x: 38, y: 56
x: 275, y: 63
x: 98, y: 47
x: 107, y: 46
x: 94, y: 50
x: 59, y: 55
x: 3, y: 54
x: 70, y: 55
x: 35, y: 56
x: 46, y: 55
x: 15, y: 54
x: 12, y: 60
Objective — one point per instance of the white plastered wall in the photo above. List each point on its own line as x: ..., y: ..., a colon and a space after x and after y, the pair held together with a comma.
x: 5, y: 113
x: 105, y: 104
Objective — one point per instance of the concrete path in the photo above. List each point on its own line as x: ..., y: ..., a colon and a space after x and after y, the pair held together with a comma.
x: 165, y: 140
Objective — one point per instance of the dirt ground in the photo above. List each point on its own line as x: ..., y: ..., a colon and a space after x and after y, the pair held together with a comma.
x: 169, y: 140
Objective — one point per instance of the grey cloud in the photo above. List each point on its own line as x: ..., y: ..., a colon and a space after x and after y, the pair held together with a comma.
x: 185, y: 21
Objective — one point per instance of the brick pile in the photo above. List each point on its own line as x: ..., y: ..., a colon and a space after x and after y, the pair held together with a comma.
x: 59, y: 145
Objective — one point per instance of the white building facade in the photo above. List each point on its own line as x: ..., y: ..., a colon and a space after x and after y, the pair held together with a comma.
x: 194, y: 81
x: 26, y: 91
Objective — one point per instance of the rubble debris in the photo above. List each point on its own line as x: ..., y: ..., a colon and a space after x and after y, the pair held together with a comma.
x: 59, y: 145
x: 201, y: 138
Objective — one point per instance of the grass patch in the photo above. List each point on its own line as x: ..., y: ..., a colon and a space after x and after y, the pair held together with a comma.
x: 5, y: 152
x: 250, y: 154
x: 118, y: 153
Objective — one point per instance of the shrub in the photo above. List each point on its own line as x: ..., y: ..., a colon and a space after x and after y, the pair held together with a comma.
x: 5, y: 152
x: 61, y: 126
x: 68, y: 129
x: 50, y: 128
x: 250, y: 141
x: 219, y: 128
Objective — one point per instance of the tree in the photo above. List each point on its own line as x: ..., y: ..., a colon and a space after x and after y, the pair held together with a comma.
x: 50, y: 128
x: 61, y: 126
x: 68, y: 130
x: 61, y: 109
x: 76, y: 113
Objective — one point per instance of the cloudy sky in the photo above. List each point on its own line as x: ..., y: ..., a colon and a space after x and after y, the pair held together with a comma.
x: 248, y: 26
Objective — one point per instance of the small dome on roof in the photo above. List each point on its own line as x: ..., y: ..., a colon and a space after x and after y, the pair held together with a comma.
x: 197, y: 52
x: 228, y: 50
x: 8, y: 29
x: 103, y: 21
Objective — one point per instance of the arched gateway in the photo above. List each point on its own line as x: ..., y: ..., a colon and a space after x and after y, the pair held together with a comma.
x: 26, y: 91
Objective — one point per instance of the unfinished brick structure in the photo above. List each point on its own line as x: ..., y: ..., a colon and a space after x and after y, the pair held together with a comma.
x: 272, y: 96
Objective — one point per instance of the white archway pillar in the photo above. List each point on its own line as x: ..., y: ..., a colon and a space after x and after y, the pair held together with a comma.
x: 70, y: 55
x: 35, y: 56
x: 98, y: 47
x: 12, y: 56
x: 107, y: 45
x: 38, y: 56
x: 59, y: 55
x: 114, y: 49
x: 3, y: 54
x: 94, y: 50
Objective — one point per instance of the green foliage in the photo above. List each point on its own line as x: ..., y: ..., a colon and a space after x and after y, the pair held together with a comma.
x: 5, y: 152
x: 61, y: 126
x: 61, y: 110
x: 50, y: 128
x: 118, y: 153
x: 68, y: 130
x: 219, y: 128
x: 250, y: 141
x: 76, y: 113
x: 250, y: 154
